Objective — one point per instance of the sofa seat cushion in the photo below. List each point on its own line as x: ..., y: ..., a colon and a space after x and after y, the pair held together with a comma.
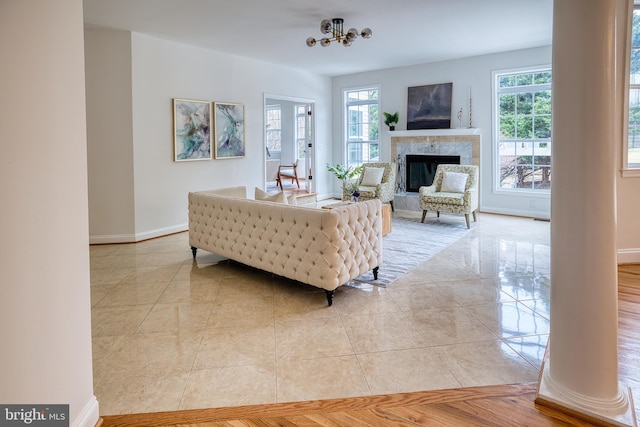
x: 445, y: 198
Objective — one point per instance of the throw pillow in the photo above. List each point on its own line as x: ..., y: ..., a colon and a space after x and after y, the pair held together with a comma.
x: 372, y: 176
x: 278, y: 197
x: 454, y: 182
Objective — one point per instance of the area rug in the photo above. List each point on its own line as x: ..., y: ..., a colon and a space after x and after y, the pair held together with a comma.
x: 411, y: 243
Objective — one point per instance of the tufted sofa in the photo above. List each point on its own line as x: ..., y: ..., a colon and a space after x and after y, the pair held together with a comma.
x: 321, y: 247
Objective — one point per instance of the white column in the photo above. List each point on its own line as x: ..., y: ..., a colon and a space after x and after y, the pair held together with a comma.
x: 45, y: 314
x: 581, y: 369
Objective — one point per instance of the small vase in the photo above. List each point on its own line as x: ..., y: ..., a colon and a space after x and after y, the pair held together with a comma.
x: 392, y: 128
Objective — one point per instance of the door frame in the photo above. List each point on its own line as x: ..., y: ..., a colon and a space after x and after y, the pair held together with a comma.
x: 310, y: 151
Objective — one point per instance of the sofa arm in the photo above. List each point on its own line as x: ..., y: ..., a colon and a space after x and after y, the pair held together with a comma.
x: 427, y: 190
x: 386, y: 190
x: 471, y: 199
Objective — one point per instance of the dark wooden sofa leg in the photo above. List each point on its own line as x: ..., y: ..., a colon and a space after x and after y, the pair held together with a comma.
x: 329, y: 297
x: 193, y: 251
x: 375, y: 273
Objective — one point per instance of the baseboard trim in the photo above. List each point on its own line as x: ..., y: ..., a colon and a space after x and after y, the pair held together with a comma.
x: 542, y: 215
x: 161, y: 232
x: 111, y: 238
x: 137, y: 237
x: 90, y: 414
x: 629, y: 256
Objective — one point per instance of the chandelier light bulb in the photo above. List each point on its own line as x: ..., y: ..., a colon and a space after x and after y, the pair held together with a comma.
x: 335, y: 29
x: 325, y: 26
x: 352, y: 34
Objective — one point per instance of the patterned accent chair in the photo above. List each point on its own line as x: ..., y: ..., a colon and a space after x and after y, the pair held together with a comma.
x: 462, y: 200
x: 383, y: 191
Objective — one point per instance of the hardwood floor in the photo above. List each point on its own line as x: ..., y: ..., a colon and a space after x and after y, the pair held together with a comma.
x: 629, y: 328
x: 494, y: 405
x: 504, y: 405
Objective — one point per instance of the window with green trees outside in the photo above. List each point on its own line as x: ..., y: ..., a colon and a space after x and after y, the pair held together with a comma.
x: 523, y: 137
x: 361, y: 126
x: 633, y: 135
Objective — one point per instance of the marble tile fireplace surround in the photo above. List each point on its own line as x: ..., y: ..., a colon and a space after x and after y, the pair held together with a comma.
x: 434, y: 142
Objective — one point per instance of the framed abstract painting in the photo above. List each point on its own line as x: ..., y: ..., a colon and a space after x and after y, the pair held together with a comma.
x: 229, y: 130
x: 191, y: 130
x: 429, y: 107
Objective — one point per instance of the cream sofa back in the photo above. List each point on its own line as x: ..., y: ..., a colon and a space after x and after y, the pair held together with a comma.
x: 322, y: 247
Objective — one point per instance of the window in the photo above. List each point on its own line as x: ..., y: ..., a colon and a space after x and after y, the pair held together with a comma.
x: 632, y: 157
x: 361, y: 111
x: 523, y: 138
x: 274, y: 128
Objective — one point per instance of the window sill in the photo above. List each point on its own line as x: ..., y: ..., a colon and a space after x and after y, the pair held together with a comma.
x: 630, y: 173
x: 543, y: 194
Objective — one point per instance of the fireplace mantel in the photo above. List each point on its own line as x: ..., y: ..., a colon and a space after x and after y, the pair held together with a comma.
x: 434, y: 132
x: 460, y: 142
x: 438, y: 141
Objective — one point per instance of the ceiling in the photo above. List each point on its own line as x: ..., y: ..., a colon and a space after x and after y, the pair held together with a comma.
x: 405, y: 32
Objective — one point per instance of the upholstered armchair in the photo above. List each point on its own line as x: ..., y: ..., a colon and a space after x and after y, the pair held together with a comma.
x: 379, y: 182
x: 454, y: 190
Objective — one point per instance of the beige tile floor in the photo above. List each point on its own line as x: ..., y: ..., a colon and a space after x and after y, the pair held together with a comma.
x: 172, y: 334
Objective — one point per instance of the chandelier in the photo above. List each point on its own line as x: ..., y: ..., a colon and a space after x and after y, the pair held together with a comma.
x: 336, y: 33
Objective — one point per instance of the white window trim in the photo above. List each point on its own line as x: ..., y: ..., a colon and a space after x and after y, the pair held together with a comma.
x: 268, y: 130
x: 495, y: 167
x: 296, y: 128
x: 345, y: 119
x: 625, y: 170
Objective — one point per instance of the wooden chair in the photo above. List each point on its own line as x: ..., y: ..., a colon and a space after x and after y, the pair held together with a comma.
x: 288, y: 171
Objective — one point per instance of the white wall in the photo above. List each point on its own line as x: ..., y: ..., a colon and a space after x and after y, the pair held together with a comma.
x: 628, y: 203
x: 45, y: 318
x: 162, y: 70
x: 109, y: 135
x: 474, y: 72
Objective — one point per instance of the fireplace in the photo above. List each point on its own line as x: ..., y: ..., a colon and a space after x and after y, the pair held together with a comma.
x: 421, y: 169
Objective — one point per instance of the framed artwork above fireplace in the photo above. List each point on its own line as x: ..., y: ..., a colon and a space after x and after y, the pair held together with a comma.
x: 429, y: 106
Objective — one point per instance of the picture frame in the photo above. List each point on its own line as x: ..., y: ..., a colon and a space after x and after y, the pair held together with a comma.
x: 191, y: 130
x: 429, y: 106
x: 229, y: 130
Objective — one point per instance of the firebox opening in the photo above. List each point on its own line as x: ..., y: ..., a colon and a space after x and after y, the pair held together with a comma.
x: 421, y: 169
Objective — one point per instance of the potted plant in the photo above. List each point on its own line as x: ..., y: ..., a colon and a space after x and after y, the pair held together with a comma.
x: 346, y: 174
x: 391, y: 120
